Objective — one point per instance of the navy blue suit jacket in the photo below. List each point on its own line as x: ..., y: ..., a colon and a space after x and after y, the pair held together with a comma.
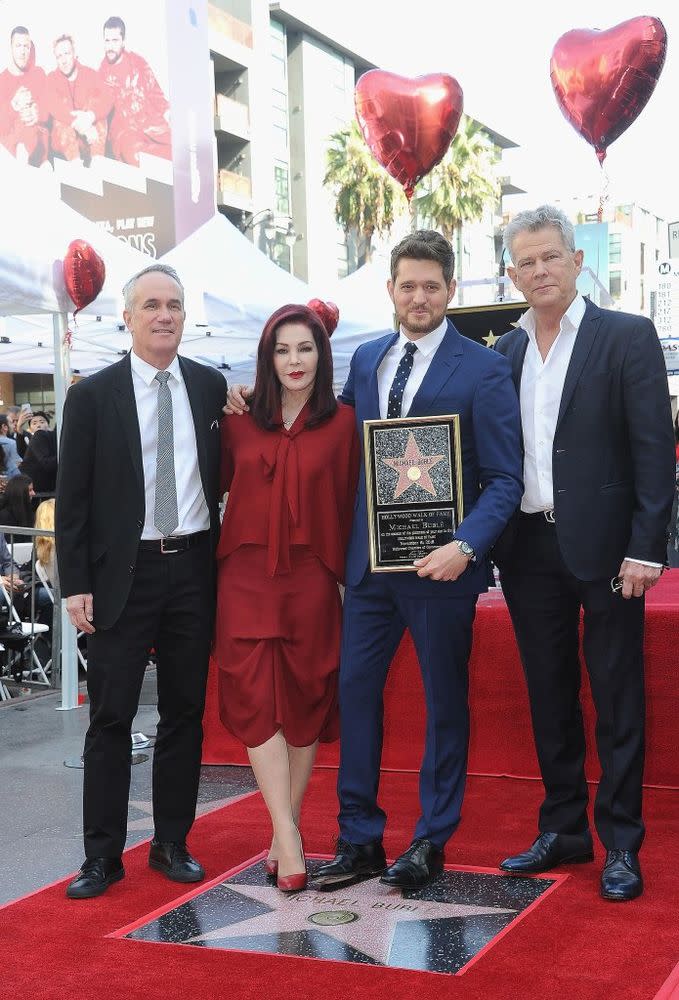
x: 476, y: 383
x: 613, y: 457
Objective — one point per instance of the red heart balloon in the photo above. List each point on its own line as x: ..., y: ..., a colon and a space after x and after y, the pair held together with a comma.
x: 408, y: 124
x: 603, y: 79
x: 84, y: 273
x: 327, y: 312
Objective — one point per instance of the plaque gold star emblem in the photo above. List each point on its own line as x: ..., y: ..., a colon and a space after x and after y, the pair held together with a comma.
x: 413, y: 467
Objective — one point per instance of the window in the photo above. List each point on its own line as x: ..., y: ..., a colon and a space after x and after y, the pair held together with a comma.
x: 615, y: 248
x: 642, y: 257
x: 38, y: 390
x: 615, y: 284
x: 281, y: 189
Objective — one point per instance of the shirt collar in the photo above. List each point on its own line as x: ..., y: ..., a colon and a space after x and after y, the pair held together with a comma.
x: 570, y: 321
x: 147, y: 372
x: 427, y: 344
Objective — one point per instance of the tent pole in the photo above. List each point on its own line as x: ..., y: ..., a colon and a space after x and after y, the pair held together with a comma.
x: 69, y: 658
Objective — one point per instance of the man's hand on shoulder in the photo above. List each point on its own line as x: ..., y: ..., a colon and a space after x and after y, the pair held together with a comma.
x: 236, y: 400
x: 446, y: 563
x: 80, y: 608
x: 637, y: 578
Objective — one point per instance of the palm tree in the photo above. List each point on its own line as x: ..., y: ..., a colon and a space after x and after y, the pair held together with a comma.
x: 461, y: 186
x: 367, y: 199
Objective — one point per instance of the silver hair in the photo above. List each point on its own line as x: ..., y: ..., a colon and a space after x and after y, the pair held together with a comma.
x: 538, y: 218
x: 130, y: 287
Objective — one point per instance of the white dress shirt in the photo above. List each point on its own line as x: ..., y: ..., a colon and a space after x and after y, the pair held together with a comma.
x: 191, y: 505
x: 426, y: 348
x: 541, y: 390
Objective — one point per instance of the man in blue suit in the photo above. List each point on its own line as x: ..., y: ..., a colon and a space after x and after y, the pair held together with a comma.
x: 426, y: 369
x: 591, y: 534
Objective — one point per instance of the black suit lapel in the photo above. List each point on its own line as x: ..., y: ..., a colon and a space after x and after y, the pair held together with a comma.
x: 196, y: 401
x: 517, y: 358
x: 584, y: 342
x: 126, y: 406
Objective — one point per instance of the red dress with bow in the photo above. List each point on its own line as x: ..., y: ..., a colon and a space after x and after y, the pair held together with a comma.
x: 281, y: 554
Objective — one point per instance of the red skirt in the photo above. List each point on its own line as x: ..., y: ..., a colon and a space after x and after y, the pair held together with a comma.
x: 277, y: 645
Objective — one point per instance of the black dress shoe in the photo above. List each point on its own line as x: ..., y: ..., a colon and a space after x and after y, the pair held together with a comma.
x: 174, y: 861
x: 417, y: 866
x: 94, y: 878
x: 550, y: 850
x: 621, y: 878
x: 352, y: 863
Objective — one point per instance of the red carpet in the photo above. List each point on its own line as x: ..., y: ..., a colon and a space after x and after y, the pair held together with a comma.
x: 574, y: 946
x: 501, y: 741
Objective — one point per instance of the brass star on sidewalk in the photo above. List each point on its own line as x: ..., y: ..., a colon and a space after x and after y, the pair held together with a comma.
x: 413, y: 467
x: 363, y: 917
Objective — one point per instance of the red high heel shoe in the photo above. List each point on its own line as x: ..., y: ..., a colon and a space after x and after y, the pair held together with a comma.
x: 296, y: 882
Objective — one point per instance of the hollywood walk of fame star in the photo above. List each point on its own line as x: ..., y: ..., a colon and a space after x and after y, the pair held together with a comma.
x: 363, y: 917
x: 490, y: 339
x: 413, y: 467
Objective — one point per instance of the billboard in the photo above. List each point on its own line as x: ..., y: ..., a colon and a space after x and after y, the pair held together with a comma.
x: 666, y: 316
x: 113, y: 103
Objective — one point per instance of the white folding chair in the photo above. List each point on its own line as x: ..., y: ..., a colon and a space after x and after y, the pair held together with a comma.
x: 29, y: 629
x: 44, y: 580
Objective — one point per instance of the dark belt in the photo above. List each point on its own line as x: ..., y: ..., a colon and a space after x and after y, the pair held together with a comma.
x: 173, y: 543
x: 544, y: 515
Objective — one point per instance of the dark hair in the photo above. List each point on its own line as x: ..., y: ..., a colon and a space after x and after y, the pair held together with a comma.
x: 266, y: 401
x: 64, y: 38
x: 4, y: 420
x: 115, y: 22
x: 39, y: 413
x: 19, y: 30
x: 17, y: 502
x: 425, y: 244
x: 3, y: 461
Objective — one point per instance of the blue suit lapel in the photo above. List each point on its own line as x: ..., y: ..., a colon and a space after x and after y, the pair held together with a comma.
x: 584, y: 342
x: 373, y: 390
x: 446, y: 359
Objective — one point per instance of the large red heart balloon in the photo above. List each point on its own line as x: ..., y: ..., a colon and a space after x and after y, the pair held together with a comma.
x: 603, y: 79
x: 327, y: 312
x: 408, y: 124
x: 84, y: 273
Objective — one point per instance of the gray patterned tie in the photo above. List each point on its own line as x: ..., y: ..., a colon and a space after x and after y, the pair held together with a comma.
x: 165, y: 515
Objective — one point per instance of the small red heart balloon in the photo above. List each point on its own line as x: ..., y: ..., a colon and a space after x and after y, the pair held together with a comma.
x: 84, y: 273
x: 327, y: 312
x: 603, y: 79
x: 408, y: 124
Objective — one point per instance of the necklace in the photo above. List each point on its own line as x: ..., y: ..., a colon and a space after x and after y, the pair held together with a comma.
x: 290, y: 414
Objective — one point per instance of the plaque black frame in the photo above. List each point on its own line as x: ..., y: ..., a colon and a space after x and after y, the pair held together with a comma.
x: 443, y: 515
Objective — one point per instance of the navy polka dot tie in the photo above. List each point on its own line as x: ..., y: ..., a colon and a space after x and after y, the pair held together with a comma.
x: 405, y: 366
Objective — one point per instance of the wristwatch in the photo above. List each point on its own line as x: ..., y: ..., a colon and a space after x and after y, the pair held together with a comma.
x: 465, y: 548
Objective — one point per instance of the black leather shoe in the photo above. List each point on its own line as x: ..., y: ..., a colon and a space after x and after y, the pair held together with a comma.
x: 417, y: 866
x: 621, y: 878
x: 94, y: 878
x: 550, y: 850
x: 174, y: 861
x: 352, y: 863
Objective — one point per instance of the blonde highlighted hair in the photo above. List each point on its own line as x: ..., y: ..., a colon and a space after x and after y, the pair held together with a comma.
x: 44, y: 545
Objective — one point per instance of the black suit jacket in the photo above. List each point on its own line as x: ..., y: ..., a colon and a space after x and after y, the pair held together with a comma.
x: 100, y: 503
x: 613, y: 453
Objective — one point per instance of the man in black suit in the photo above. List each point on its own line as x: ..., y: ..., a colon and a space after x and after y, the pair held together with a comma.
x: 137, y: 520
x: 590, y: 533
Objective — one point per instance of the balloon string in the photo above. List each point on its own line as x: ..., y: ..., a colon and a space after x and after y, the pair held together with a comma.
x: 68, y: 339
x: 603, y: 193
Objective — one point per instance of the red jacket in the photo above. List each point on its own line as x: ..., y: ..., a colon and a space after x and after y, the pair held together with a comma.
x: 138, y: 99
x: 87, y: 92
x: 34, y: 80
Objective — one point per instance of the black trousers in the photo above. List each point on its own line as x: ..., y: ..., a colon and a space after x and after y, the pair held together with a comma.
x: 170, y: 609
x: 545, y: 601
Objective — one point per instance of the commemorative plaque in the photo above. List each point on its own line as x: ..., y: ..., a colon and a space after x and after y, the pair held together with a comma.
x: 413, y: 468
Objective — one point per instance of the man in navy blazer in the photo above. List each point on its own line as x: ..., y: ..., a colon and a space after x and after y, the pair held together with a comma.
x: 426, y: 369
x: 591, y: 534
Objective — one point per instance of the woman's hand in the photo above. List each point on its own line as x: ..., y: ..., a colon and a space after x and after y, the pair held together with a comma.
x: 235, y: 400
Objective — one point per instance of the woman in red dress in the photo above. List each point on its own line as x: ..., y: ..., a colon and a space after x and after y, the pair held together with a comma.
x: 290, y: 465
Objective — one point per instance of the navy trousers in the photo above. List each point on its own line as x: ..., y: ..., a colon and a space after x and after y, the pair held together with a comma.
x: 376, y: 614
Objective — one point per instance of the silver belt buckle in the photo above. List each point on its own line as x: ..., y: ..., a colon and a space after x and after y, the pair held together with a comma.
x: 549, y: 516
x: 167, y: 552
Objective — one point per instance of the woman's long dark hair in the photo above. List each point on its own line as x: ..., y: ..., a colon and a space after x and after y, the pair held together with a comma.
x: 266, y: 403
x: 17, y: 503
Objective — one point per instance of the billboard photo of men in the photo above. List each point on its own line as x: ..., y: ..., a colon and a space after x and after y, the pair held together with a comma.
x: 79, y: 104
x: 22, y: 95
x: 141, y: 112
